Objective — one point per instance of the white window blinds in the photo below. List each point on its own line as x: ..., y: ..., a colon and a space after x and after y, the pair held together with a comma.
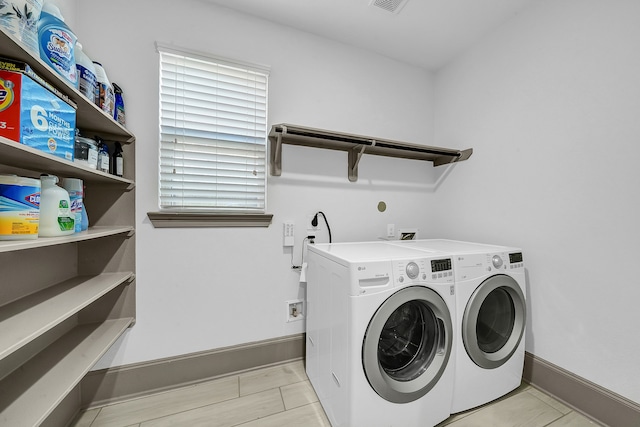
x: 213, y: 130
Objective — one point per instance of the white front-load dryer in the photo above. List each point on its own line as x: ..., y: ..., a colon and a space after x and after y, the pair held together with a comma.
x: 490, y: 320
x: 380, y: 341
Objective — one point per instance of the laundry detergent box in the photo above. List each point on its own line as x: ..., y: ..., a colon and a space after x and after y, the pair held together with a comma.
x: 35, y: 116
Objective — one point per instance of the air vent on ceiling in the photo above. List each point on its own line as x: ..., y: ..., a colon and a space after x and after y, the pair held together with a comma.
x: 393, y: 6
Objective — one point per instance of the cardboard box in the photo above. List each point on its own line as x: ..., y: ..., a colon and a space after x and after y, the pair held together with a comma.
x: 9, y: 64
x: 35, y: 116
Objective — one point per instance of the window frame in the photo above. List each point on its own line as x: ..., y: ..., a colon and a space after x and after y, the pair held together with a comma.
x: 181, y: 216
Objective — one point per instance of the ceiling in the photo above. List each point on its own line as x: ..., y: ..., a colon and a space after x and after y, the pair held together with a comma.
x: 425, y: 33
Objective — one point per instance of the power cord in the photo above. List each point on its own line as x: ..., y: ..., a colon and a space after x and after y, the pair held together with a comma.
x: 308, y: 240
x: 314, y: 222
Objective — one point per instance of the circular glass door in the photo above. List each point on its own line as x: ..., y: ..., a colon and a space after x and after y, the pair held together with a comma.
x: 407, y: 344
x: 493, y: 322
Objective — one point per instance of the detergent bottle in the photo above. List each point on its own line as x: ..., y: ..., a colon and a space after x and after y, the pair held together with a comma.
x: 87, y: 81
x: 57, y: 43
x: 56, y: 218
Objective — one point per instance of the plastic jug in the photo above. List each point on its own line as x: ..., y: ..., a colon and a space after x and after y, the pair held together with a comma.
x: 57, y: 43
x: 20, y: 19
x: 87, y: 82
x: 56, y: 218
x: 106, y: 97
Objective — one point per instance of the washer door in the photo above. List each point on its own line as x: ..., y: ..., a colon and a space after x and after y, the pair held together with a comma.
x: 407, y: 344
x: 494, y: 321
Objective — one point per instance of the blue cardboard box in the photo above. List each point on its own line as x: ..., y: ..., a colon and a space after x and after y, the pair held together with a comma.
x: 35, y: 116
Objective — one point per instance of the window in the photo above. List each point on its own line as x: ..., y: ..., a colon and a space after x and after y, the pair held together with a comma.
x: 213, y: 130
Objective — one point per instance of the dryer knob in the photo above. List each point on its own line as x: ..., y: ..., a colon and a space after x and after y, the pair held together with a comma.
x: 413, y: 270
x: 497, y: 261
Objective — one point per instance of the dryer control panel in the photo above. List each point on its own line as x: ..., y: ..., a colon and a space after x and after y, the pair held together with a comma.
x: 469, y: 266
x: 507, y: 261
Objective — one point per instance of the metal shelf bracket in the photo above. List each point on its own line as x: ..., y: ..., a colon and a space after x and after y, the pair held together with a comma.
x: 276, y: 153
x: 355, y: 154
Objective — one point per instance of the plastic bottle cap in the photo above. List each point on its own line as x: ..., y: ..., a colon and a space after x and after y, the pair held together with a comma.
x: 52, y: 9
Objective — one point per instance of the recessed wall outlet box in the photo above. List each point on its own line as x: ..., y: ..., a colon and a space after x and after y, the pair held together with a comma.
x: 408, y: 233
x: 288, y: 229
x: 391, y: 230
x: 295, y: 310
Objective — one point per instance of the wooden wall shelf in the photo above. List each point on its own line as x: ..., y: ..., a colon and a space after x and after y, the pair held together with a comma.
x: 355, y: 146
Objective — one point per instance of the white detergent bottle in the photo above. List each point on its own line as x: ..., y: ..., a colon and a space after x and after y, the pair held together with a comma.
x: 56, y: 218
x: 106, y: 98
x: 87, y: 81
x: 20, y: 19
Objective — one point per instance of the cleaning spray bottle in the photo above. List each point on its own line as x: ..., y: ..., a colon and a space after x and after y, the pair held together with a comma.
x: 103, y: 155
x: 118, y: 109
x: 74, y: 187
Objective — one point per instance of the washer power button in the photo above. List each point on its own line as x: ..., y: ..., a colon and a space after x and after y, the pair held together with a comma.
x: 413, y: 270
x: 497, y: 261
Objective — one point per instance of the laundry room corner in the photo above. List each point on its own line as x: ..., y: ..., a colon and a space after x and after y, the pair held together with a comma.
x: 548, y: 98
x: 208, y: 288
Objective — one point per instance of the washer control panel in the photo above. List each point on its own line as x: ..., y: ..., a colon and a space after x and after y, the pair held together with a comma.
x: 423, y: 270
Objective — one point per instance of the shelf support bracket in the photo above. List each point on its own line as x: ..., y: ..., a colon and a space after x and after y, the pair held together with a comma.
x: 355, y: 154
x: 276, y: 153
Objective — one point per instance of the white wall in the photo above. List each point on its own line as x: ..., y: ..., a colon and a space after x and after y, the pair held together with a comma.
x: 200, y: 289
x: 551, y: 105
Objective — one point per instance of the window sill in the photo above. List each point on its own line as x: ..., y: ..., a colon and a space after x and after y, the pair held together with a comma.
x: 199, y: 220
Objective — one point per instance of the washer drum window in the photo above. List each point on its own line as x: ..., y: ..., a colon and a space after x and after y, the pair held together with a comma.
x: 494, y: 321
x: 407, y: 344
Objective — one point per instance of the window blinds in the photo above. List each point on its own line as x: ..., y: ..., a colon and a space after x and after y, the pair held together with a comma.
x: 213, y: 130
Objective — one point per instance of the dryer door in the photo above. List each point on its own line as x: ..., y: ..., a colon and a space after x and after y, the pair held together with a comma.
x: 494, y: 321
x: 407, y: 344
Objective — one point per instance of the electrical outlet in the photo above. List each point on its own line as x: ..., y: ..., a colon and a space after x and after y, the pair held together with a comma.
x: 295, y: 310
x: 287, y: 233
x: 310, y: 227
x: 391, y: 230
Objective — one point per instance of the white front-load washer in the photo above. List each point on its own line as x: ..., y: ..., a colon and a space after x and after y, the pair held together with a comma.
x: 380, y: 343
x: 490, y: 319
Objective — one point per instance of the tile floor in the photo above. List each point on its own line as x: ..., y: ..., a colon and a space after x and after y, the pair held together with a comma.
x: 281, y: 396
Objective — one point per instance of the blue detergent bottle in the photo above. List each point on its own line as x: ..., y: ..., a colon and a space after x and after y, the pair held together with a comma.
x: 57, y: 43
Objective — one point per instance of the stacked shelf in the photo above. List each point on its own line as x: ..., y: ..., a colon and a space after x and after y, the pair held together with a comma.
x: 65, y: 300
x: 44, y: 381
